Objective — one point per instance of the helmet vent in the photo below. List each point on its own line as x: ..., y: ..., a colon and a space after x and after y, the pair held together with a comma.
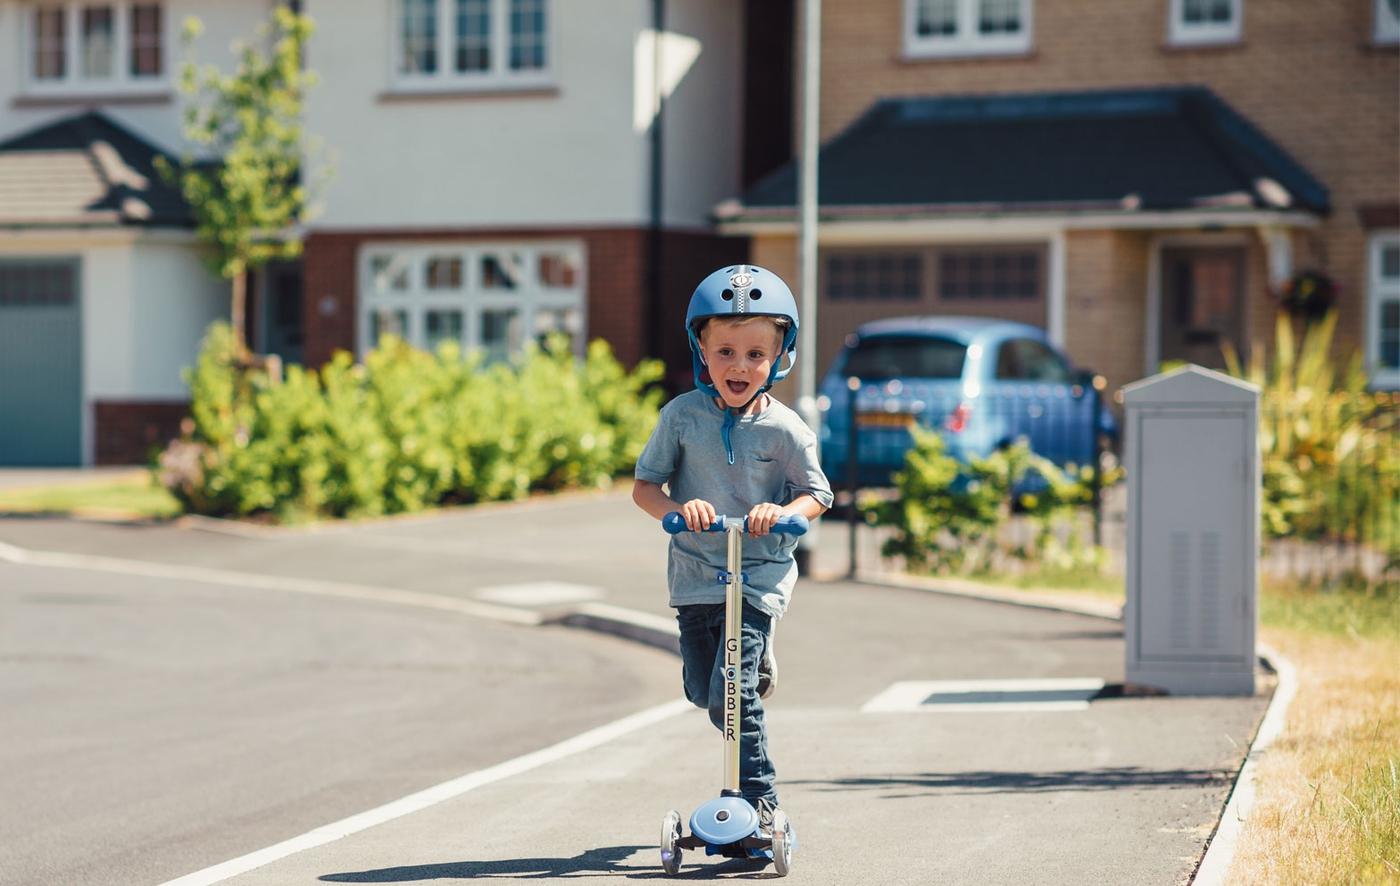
x: 727, y: 295
x: 756, y: 294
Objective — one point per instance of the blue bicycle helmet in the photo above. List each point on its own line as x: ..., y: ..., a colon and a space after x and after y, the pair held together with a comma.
x: 742, y: 289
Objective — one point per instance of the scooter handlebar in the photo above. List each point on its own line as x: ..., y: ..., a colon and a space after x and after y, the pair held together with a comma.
x: 788, y: 524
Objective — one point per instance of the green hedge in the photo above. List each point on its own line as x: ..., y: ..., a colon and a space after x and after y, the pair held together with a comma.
x: 403, y: 431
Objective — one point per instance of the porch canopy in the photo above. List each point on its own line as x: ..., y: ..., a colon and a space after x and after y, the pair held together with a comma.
x: 85, y: 171
x: 1118, y: 156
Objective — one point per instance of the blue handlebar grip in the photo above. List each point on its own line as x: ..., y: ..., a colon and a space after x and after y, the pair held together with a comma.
x: 790, y: 524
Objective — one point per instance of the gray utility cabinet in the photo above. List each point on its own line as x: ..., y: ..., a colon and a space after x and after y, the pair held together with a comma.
x: 1192, y: 458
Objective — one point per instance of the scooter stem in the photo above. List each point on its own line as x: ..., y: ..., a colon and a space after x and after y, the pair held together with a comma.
x: 733, y: 655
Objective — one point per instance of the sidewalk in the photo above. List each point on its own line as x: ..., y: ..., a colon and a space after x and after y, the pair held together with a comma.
x: 1114, y: 790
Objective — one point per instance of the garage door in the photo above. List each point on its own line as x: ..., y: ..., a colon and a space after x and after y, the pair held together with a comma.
x: 41, y: 395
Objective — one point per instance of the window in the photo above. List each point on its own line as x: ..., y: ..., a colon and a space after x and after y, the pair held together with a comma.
x: 1197, y: 22
x: 892, y: 356
x: 934, y: 28
x: 82, y: 47
x: 979, y: 275
x: 867, y: 277
x: 1383, y: 300
x: 1387, y: 22
x: 472, y: 44
x: 490, y: 298
x: 1025, y: 359
x: 23, y: 284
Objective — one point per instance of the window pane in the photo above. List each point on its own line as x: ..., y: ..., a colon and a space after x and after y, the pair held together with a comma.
x: 387, y: 322
x: 500, y: 334
x: 1390, y: 334
x: 558, y: 270
x: 1202, y: 12
x: 906, y: 357
x: 50, y: 32
x: 419, y: 48
x: 145, y: 40
x: 1390, y: 262
x: 527, y: 34
x: 863, y: 277
x: 1000, y: 17
x: 502, y: 271
x: 97, y: 41
x: 1001, y: 274
x: 473, y: 35
x: 444, y: 273
x: 937, y: 18
x: 1039, y: 363
x: 389, y: 274
x: 551, y: 320
x: 32, y: 285
x: 441, y: 326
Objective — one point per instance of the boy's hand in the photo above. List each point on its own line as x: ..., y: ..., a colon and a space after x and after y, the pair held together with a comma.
x: 762, y: 518
x: 698, y: 514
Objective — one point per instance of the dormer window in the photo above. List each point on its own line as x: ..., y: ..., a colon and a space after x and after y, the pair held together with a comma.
x: 94, y: 47
x: 942, y: 28
x: 1205, y: 22
x: 472, y: 44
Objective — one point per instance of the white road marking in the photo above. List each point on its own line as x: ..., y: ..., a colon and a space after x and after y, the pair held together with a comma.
x: 539, y: 593
x: 434, y: 795
x: 120, y: 566
x: 913, y: 695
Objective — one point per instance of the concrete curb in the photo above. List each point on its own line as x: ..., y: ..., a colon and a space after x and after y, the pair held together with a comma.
x: 1220, y: 851
x: 999, y: 594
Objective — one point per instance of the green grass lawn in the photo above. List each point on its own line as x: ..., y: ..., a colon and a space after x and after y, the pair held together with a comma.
x: 134, y: 496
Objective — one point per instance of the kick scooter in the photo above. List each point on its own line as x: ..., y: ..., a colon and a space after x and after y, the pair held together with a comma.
x: 728, y: 825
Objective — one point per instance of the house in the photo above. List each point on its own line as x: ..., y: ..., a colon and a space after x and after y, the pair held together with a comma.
x: 1141, y: 179
x: 499, y: 174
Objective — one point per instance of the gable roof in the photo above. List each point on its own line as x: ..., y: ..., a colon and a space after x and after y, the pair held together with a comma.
x: 85, y: 171
x: 1122, y: 150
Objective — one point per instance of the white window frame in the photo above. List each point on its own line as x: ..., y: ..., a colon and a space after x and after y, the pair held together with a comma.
x: 446, y: 78
x: 1386, y: 25
x: 1378, y: 291
x: 471, y: 298
x: 967, y: 41
x: 1179, y: 33
x: 120, y: 82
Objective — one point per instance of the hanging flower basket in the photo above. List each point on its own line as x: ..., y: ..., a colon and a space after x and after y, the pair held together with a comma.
x: 1309, y: 295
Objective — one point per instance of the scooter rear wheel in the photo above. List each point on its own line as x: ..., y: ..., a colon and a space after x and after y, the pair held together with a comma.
x: 670, y: 836
x: 782, y: 843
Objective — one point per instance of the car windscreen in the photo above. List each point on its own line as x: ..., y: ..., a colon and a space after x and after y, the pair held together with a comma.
x: 913, y: 356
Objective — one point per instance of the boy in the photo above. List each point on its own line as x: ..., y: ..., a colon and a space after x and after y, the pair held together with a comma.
x: 728, y: 448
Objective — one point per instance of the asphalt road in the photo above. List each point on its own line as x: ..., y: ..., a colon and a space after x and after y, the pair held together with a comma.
x: 163, y: 725
x: 150, y: 727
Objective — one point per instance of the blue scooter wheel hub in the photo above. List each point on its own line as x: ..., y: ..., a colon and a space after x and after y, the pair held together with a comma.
x: 724, y: 820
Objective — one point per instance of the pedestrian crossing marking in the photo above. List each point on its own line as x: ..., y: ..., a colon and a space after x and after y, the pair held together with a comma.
x: 985, y: 696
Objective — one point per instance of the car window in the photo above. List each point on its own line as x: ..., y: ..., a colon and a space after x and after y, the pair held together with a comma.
x: 906, y: 357
x: 1040, y: 363
x: 1009, y: 361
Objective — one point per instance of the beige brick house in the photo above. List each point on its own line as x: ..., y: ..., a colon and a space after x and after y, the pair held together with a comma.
x: 1139, y: 178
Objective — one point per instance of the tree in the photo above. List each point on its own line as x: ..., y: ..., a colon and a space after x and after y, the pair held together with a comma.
x: 249, y: 198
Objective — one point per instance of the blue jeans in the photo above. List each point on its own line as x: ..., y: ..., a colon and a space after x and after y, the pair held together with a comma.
x: 702, y: 671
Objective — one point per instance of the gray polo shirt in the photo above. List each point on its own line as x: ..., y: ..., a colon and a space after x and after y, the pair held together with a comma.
x: 775, y: 460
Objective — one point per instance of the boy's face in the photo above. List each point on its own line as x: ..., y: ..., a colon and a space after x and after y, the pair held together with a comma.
x: 740, y: 356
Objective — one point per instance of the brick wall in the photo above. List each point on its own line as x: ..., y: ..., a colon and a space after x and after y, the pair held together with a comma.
x: 617, y: 283
x: 125, y: 432
x: 1306, y: 73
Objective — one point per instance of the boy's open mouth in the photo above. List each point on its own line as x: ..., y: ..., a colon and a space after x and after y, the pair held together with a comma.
x: 737, y: 387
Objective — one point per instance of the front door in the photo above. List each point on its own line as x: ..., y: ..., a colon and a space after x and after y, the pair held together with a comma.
x: 41, y: 345
x: 1202, y: 304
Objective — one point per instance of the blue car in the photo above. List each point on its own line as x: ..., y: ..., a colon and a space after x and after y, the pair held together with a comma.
x: 981, y: 383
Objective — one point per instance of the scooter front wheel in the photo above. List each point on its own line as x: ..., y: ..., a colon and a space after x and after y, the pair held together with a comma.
x: 782, y: 843
x: 670, y: 838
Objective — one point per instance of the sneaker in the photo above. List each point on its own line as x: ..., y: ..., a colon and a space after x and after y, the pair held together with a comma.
x: 766, y: 808
x: 767, y: 671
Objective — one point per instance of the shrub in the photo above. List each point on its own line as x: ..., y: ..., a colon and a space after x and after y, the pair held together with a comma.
x: 1330, y: 448
x: 946, y: 514
x: 403, y: 431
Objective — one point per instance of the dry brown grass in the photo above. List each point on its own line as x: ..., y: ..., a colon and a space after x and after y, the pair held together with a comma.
x: 1328, y: 804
